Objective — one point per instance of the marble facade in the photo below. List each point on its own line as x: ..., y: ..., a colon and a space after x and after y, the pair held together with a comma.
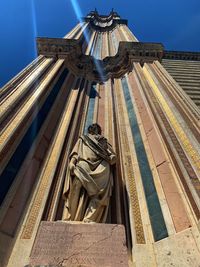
x: 131, y: 89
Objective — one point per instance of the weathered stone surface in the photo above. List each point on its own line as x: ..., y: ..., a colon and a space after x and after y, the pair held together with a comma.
x: 178, y: 250
x: 79, y: 244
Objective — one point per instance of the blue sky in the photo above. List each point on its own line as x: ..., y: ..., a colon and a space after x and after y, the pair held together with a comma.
x: 175, y: 23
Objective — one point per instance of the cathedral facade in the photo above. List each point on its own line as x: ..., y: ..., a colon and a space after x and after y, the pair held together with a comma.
x: 146, y: 101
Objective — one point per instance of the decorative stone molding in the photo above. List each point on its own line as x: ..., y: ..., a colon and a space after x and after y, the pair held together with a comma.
x: 182, y: 55
x: 99, y: 70
x: 103, y: 18
x: 51, y: 47
x: 104, y: 23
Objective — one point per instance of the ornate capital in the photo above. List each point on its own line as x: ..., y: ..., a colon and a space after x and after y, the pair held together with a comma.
x: 100, y: 70
x: 52, y: 47
x: 104, y: 23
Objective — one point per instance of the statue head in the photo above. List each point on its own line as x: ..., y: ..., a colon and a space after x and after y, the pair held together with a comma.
x: 94, y: 128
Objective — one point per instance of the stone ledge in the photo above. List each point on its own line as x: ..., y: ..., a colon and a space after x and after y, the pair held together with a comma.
x: 95, y: 69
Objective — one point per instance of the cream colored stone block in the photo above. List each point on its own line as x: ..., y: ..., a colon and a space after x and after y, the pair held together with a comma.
x: 179, y: 250
x: 196, y: 234
x: 198, y: 225
x: 144, y: 256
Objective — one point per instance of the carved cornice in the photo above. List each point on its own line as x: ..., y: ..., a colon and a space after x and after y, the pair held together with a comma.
x: 103, y: 27
x: 98, y: 18
x: 103, y: 18
x: 51, y: 47
x: 182, y: 55
x: 104, y: 23
x: 100, y: 70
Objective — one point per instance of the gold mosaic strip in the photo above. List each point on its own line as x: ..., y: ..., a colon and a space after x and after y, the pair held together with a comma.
x: 128, y: 168
x: 49, y: 169
x: 175, y: 92
x: 157, y: 111
x: 190, y: 150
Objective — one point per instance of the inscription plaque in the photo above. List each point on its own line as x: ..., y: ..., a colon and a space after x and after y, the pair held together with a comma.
x: 79, y: 244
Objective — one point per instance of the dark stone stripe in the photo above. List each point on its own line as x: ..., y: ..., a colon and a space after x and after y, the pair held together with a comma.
x: 13, y: 166
x: 153, y: 204
x: 153, y: 103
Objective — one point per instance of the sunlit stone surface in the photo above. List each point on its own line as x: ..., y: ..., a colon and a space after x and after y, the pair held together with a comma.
x: 146, y: 100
